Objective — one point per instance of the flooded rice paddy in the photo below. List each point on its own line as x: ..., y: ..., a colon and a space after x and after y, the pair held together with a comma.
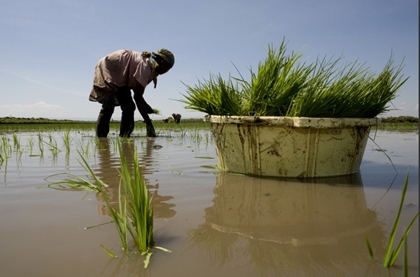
x: 215, y: 224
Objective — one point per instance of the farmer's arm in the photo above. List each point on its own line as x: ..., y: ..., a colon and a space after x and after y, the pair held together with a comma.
x: 143, y: 109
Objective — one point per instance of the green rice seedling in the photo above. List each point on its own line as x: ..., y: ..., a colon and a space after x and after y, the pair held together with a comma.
x: 134, y: 215
x: 351, y: 91
x: 138, y: 202
x: 75, y: 183
x: 109, y: 252
x: 372, y: 256
x: 214, y: 96
x: 276, y: 83
x: 40, y: 145
x: 391, y: 253
x: 16, y: 142
x: 67, y: 141
x: 6, y: 148
x: 31, y: 146
x: 85, y: 149
x: 7, y: 151
x: 19, y: 153
x: 53, y: 146
x: 283, y: 86
x: 2, y: 152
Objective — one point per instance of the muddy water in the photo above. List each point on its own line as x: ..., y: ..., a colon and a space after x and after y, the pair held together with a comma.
x: 215, y: 224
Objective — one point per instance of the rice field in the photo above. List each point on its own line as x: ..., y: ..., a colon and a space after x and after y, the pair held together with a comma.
x: 211, y: 223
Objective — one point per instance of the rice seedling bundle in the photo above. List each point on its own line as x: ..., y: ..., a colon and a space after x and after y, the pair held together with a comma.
x: 282, y: 86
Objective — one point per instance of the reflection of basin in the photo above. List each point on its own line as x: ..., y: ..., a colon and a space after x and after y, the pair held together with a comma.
x: 320, y: 223
x: 287, y: 212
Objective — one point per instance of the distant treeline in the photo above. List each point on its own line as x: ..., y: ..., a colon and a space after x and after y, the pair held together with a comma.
x: 32, y: 120
x: 400, y: 119
x: 40, y: 120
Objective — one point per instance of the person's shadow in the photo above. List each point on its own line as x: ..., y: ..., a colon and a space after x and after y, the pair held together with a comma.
x: 108, y: 168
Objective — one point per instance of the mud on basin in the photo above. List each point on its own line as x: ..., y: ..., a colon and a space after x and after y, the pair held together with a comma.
x: 290, y: 146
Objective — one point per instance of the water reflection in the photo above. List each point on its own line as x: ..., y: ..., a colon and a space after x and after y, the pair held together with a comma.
x: 297, y: 227
x: 107, y: 171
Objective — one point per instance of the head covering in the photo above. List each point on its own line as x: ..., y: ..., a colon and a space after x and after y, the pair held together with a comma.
x: 166, y: 55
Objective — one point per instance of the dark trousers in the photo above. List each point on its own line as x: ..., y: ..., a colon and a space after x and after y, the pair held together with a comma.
x: 128, y: 107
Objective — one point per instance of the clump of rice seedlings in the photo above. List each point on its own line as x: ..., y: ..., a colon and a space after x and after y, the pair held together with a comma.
x: 6, y: 151
x: 3, y: 150
x: 85, y: 148
x: 214, y: 96
x: 351, y: 91
x: 137, y: 204
x: 6, y: 148
x: 133, y: 218
x: 53, y: 146
x: 391, y: 253
x: 283, y: 86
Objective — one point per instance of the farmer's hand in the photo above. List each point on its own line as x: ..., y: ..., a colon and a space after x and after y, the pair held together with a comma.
x: 149, y: 109
x: 150, y: 131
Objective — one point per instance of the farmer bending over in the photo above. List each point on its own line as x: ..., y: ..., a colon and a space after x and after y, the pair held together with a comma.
x: 116, y: 75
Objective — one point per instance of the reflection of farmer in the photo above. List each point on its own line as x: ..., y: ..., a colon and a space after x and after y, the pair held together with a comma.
x: 116, y: 75
x: 108, y: 173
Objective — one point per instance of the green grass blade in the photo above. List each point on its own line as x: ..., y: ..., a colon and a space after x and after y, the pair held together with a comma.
x: 369, y: 248
x: 112, y: 255
x: 391, y: 254
x: 389, y: 250
x: 97, y: 225
x: 402, y: 241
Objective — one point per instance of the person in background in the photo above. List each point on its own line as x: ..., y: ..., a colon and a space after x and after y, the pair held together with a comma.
x: 177, y: 117
x: 116, y: 75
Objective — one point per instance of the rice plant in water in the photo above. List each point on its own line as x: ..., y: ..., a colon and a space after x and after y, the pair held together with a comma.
x: 391, y: 253
x: 5, y: 154
x: 67, y: 141
x: 135, y: 205
x: 133, y: 218
x: 31, y: 146
x: 283, y: 86
x: 16, y: 142
x: 40, y: 145
x: 53, y: 146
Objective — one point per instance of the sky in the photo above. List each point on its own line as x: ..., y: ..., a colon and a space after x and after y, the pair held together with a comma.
x: 50, y: 47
